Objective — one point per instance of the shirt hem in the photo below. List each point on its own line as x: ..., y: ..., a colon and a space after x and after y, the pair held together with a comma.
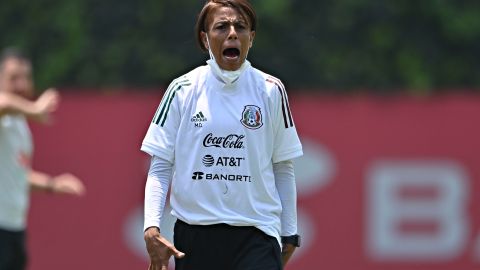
x: 288, y: 155
x: 156, y: 152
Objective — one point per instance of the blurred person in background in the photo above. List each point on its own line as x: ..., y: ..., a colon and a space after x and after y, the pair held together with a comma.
x: 17, y: 177
x: 226, y: 133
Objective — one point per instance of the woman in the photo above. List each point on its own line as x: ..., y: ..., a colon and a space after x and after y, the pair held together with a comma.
x: 226, y: 133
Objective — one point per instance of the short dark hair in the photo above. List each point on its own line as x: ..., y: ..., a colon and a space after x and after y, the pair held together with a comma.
x: 242, y: 6
x: 12, y: 53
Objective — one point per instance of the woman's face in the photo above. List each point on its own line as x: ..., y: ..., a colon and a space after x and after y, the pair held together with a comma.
x: 229, y: 36
x: 16, y: 77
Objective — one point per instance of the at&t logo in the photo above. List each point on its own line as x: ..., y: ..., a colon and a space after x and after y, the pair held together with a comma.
x: 209, y: 161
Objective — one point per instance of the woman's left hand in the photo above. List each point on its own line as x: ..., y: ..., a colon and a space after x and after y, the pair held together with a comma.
x: 287, y: 251
x: 67, y: 184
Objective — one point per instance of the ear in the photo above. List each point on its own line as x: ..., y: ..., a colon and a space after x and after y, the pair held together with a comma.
x: 204, y: 39
x: 252, y: 36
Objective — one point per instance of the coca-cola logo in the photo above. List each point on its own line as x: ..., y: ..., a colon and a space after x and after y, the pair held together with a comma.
x: 229, y: 141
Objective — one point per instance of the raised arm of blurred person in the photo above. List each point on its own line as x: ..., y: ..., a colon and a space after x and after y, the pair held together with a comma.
x: 38, y: 110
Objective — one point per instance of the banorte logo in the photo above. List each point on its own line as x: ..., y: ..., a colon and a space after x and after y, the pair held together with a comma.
x: 230, y: 141
x: 197, y: 175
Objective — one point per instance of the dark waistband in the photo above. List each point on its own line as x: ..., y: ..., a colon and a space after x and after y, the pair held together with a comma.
x: 181, y: 222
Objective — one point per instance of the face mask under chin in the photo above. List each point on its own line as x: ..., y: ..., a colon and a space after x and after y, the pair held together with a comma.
x: 227, y: 76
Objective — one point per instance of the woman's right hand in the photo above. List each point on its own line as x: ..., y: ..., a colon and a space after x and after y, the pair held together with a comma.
x: 46, y: 104
x: 159, y: 249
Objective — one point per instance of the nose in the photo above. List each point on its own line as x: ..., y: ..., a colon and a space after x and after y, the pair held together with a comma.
x: 232, y: 34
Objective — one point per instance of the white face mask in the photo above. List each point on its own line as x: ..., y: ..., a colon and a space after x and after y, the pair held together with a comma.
x: 227, y: 76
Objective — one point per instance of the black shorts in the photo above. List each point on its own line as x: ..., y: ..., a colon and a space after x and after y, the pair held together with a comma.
x: 13, y: 255
x: 225, y: 247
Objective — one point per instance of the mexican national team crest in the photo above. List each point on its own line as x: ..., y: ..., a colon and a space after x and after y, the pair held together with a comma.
x: 252, y: 117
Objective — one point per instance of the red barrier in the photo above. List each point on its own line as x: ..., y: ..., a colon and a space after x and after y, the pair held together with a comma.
x: 386, y: 183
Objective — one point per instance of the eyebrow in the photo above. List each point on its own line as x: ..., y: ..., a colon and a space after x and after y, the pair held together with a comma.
x: 224, y: 20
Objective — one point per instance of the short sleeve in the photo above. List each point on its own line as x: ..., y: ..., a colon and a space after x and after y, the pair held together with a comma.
x: 162, y: 132
x: 286, y: 142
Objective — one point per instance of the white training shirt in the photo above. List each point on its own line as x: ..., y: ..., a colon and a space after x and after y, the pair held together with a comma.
x: 15, y: 155
x: 223, y: 140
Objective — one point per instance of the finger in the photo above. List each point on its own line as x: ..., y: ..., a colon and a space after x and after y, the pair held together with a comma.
x: 154, y: 266
x: 72, y: 184
x: 178, y: 254
x: 164, y: 266
x: 81, y: 190
x: 51, y: 89
x: 52, y: 94
x: 76, y: 187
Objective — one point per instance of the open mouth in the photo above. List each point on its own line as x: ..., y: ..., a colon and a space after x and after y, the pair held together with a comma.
x: 231, y: 52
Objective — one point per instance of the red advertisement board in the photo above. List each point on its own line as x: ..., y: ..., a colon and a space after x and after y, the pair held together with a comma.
x: 385, y: 183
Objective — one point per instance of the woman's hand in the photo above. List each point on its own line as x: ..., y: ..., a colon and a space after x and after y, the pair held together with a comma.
x: 45, y: 105
x: 159, y: 249
x: 287, y: 251
x: 67, y: 184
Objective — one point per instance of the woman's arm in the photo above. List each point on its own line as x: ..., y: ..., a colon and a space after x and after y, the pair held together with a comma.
x: 158, y: 181
x: 38, y: 110
x: 285, y: 183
